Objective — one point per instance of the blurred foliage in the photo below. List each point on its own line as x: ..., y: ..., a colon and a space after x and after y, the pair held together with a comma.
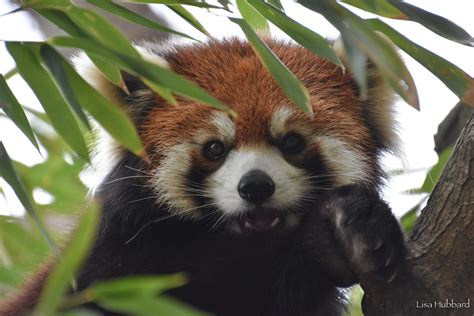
x: 69, y: 103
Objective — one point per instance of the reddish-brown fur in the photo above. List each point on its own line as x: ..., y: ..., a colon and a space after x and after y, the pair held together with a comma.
x: 245, y: 86
x: 25, y: 297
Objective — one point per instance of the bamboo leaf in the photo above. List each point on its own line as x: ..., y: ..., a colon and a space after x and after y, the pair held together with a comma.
x: 46, y: 4
x: 137, y: 286
x: 164, y: 92
x: 435, y: 171
x: 7, y: 172
x: 188, y: 17
x: 63, y: 21
x: 68, y: 263
x: 149, y: 306
x: 435, y: 23
x: 253, y: 17
x: 379, y: 7
x: 357, y: 61
x: 224, y: 4
x: 376, y: 48
x: 303, y: 35
x: 452, y: 76
x: 131, y: 16
x: 14, y: 111
x: 101, y: 30
x: 277, y: 4
x: 199, y: 4
x: 78, y: 91
x: 409, y: 218
x: 161, y: 76
x: 293, y: 88
x: 58, y: 111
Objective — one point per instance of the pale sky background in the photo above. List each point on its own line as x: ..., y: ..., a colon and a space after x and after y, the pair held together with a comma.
x: 416, y: 128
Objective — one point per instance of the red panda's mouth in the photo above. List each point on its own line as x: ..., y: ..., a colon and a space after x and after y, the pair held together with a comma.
x: 260, y: 220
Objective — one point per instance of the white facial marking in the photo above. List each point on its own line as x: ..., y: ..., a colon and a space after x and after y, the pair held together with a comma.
x: 279, y: 120
x: 225, y: 126
x: 348, y: 165
x: 290, y: 182
x: 171, y: 180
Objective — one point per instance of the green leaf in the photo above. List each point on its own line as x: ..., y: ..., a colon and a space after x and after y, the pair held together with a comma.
x: 58, y: 111
x: 78, y: 91
x: 149, y: 306
x: 137, y: 286
x: 188, y: 17
x: 140, y: 295
x: 409, y: 218
x: 100, y: 29
x: 63, y: 21
x: 375, y: 47
x: 194, y: 3
x: 12, y: 108
x: 57, y: 71
x: 303, y: 35
x: 293, y: 88
x: 22, y: 246
x: 435, y: 172
x: 80, y: 312
x: 357, y: 61
x: 165, y: 93
x: 131, y: 16
x: 452, y: 76
x: 379, y: 7
x: 8, y: 276
x: 224, y: 3
x: 7, y: 172
x: 46, y: 4
x: 161, y: 76
x: 68, y: 263
x: 435, y: 23
x: 252, y: 16
x: 277, y: 4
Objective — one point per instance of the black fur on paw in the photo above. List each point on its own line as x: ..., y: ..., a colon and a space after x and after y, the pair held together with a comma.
x: 366, y: 231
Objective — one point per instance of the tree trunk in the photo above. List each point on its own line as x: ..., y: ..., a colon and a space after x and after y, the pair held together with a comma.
x: 438, y: 277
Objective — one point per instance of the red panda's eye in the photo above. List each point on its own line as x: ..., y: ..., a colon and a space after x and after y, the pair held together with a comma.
x: 292, y: 143
x: 214, y: 150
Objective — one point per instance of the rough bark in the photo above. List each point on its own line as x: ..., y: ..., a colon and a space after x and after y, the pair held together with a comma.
x: 440, y: 265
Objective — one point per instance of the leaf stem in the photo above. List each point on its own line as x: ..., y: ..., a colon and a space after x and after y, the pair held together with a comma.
x: 11, y: 73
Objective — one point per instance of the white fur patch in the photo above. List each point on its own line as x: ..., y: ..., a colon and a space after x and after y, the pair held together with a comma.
x: 290, y: 182
x: 105, y: 155
x: 279, y: 120
x: 171, y: 182
x: 225, y: 126
x: 347, y: 164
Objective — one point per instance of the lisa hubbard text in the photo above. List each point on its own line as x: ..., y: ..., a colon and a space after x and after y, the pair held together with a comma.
x: 448, y: 303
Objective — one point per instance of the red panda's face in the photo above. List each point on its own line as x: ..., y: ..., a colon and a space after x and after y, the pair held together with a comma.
x: 263, y: 170
x: 208, y: 165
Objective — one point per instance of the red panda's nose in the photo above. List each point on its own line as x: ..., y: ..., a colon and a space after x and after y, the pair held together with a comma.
x: 256, y: 186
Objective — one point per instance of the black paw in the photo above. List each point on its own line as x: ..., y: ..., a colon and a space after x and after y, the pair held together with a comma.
x: 366, y: 231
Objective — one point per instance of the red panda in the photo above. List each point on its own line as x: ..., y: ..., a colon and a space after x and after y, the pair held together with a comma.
x: 269, y: 213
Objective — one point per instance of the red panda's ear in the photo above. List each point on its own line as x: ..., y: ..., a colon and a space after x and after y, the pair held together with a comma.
x: 133, y: 86
x: 379, y: 110
x: 107, y: 152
